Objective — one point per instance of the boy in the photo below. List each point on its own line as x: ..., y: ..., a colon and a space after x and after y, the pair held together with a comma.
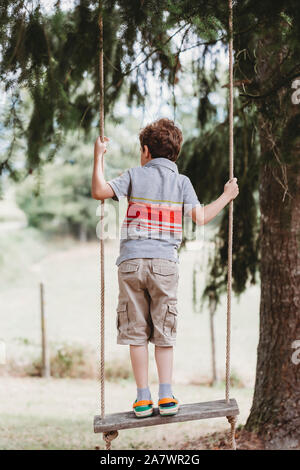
x: 157, y: 196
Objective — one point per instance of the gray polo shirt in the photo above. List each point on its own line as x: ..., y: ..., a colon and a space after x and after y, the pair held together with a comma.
x: 158, y: 197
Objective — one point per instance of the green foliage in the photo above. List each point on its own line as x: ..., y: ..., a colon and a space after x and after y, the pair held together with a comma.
x: 204, y: 155
x: 60, y: 202
x: 18, y: 250
x: 66, y: 360
x: 235, y: 381
x: 118, y: 369
x: 51, y: 54
x: 196, y: 295
x: 57, y: 198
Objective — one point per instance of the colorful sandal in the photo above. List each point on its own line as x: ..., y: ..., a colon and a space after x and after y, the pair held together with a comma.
x: 143, y: 408
x: 168, y: 406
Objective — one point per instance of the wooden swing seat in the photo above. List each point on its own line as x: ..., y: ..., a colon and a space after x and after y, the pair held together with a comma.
x: 190, y: 412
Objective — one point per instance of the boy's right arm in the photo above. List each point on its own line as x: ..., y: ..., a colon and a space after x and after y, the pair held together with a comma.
x: 100, y: 188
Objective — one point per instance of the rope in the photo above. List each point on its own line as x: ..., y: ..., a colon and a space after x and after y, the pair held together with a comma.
x: 108, y: 436
x: 102, y: 280
x: 231, y: 419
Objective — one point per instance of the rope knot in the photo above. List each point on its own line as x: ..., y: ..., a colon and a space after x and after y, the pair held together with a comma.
x: 109, y: 437
x: 232, y: 421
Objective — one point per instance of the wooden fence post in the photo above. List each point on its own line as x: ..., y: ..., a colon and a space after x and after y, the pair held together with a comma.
x: 45, y: 351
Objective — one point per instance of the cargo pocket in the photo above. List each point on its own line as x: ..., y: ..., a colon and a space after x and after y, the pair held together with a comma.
x: 126, y: 267
x: 164, y: 269
x: 170, y: 320
x: 122, y: 318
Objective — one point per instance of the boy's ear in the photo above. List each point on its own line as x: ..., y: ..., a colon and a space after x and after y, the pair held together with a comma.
x: 147, y: 151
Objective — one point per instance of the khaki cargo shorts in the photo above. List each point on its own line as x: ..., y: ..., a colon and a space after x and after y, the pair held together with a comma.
x: 147, y: 306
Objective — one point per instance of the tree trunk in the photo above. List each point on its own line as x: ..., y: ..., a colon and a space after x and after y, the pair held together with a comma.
x: 82, y: 233
x: 275, y: 413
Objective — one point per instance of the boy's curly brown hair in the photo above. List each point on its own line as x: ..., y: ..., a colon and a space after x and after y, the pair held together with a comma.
x: 163, y: 139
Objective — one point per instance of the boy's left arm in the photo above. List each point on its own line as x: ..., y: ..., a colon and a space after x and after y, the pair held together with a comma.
x: 100, y: 188
x: 203, y: 215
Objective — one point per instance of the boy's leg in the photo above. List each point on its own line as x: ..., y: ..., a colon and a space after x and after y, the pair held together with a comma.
x: 134, y: 327
x: 164, y: 362
x: 162, y: 287
x: 167, y: 403
x: 143, y: 405
x: 139, y: 361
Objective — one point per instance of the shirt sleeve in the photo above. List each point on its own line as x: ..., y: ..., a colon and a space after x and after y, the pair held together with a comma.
x: 190, y: 198
x: 120, y: 185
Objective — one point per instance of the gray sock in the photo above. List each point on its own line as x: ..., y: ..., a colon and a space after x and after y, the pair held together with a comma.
x: 143, y: 394
x: 165, y: 391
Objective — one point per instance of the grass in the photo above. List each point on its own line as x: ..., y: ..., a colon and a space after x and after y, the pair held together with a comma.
x: 71, y: 279
x: 58, y: 414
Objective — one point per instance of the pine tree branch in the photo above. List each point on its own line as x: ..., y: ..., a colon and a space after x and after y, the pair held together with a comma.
x: 293, y: 74
x: 157, y: 49
x: 21, y: 31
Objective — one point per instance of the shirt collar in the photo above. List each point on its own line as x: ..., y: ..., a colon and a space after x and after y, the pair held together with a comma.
x: 163, y: 162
